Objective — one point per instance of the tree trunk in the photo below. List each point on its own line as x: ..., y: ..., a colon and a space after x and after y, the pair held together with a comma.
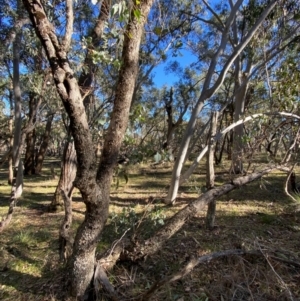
x: 210, y: 172
x: 95, y: 189
x: 11, y: 141
x: 172, y: 125
x: 29, y: 162
x: 67, y: 176
x: 208, y: 90
x: 241, y: 88
x: 17, y: 183
x: 63, y: 194
x: 43, y: 148
x: 125, y: 250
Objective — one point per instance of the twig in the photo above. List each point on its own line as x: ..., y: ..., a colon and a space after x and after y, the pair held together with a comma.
x: 276, y: 274
x: 247, y: 283
x: 117, y: 241
x: 189, y: 267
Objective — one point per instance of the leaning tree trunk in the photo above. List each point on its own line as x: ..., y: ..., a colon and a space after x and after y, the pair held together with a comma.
x: 44, y: 145
x: 208, y: 90
x: 95, y: 189
x: 126, y: 249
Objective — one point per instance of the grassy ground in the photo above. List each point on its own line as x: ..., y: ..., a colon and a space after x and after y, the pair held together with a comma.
x: 257, y: 216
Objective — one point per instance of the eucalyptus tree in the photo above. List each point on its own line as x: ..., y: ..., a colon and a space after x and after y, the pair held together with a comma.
x: 277, y: 32
x: 93, y: 184
x: 218, y: 66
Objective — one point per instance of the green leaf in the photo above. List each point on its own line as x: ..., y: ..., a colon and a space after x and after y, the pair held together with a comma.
x: 157, y: 30
x: 137, y: 14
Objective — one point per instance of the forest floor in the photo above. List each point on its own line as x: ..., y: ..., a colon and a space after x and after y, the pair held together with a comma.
x: 259, y: 216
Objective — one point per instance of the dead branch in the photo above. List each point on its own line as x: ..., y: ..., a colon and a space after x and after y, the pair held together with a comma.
x: 153, y: 244
x: 190, y: 266
x: 276, y: 274
x: 101, y: 280
x: 216, y: 255
x: 127, y: 250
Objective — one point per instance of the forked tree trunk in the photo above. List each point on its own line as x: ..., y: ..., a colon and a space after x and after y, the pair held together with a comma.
x: 44, y: 145
x: 94, y: 188
x: 208, y: 90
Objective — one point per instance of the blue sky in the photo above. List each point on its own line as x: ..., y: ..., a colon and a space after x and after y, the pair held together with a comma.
x: 163, y: 77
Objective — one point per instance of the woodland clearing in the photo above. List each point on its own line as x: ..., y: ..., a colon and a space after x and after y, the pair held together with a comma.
x: 258, y: 216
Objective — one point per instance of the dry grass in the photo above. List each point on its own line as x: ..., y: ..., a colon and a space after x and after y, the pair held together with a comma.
x: 257, y: 216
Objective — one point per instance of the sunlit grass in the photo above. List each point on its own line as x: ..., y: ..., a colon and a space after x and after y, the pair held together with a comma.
x: 29, y: 246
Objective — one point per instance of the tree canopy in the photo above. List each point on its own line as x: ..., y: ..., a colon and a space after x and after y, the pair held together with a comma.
x: 80, y: 76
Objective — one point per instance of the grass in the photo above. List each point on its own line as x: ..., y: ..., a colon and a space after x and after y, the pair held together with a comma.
x: 258, y: 215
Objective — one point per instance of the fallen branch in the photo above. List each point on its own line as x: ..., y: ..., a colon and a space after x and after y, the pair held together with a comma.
x: 127, y: 250
x: 101, y: 280
x: 189, y: 267
x: 216, y: 255
x: 153, y: 244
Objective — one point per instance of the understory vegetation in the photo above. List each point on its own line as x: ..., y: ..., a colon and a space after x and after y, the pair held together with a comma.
x: 149, y: 150
x: 258, y: 219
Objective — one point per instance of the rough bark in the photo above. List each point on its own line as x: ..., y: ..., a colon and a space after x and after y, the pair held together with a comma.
x: 44, y: 145
x: 95, y: 189
x: 18, y: 100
